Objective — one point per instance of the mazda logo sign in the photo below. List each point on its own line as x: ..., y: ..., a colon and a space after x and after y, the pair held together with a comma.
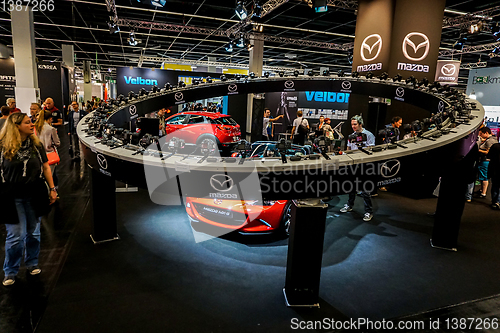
x: 376, y: 43
x: 400, y: 91
x: 390, y: 168
x: 232, y: 88
x: 448, y: 69
x: 440, y: 106
x: 103, y: 163
x: 289, y: 84
x: 179, y: 96
x: 346, y: 85
x: 221, y: 182
x: 411, y: 41
x: 132, y: 110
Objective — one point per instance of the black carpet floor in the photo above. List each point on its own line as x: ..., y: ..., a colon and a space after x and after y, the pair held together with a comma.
x: 157, y: 278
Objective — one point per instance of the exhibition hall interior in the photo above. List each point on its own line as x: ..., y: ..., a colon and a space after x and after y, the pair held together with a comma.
x: 250, y: 166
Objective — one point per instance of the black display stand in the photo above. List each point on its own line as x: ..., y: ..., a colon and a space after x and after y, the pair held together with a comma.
x: 305, y: 253
x: 103, y: 208
x: 451, y: 201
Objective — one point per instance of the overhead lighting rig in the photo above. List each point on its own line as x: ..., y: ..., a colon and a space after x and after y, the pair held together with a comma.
x: 240, y: 10
x: 132, y: 40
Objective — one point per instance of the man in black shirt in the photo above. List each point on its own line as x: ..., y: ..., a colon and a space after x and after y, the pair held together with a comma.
x: 57, y: 116
x: 494, y: 174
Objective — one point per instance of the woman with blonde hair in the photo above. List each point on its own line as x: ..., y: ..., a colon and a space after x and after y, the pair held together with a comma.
x: 23, y: 173
x: 47, y: 134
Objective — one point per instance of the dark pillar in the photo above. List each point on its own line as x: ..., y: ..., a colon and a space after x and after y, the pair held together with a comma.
x: 305, y: 253
x: 103, y: 208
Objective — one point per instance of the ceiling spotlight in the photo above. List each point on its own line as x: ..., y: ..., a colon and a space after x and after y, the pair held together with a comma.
x: 113, y: 27
x: 258, y: 27
x: 341, y: 73
x: 208, y: 79
x: 240, y: 10
x: 249, y: 47
x: 158, y: 3
x: 266, y: 74
x: 410, y: 80
x: 181, y: 84
x: 251, y: 75
x: 459, y: 44
x: 355, y: 74
x: 397, y: 78
x: 240, y: 43
x: 383, y: 76
x: 167, y: 86
x: 350, y: 58
x: 223, y: 78
x: 495, y: 52
x: 310, y: 73
x: 132, y: 40
x: 229, y: 47
x: 257, y: 9
x: 369, y: 75
x: 281, y: 74
x: 326, y: 72
x: 195, y: 82
x: 296, y: 73
x: 237, y: 77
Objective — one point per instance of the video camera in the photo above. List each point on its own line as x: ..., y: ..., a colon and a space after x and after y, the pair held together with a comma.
x: 322, y: 143
x: 359, y: 140
x: 415, y: 126
x: 282, y: 146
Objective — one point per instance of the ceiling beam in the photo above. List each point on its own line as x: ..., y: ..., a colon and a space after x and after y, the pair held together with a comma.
x: 470, y: 49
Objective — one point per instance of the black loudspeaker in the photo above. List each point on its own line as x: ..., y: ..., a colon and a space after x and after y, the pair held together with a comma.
x: 87, y: 74
x: 305, y: 252
x: 257, y: 119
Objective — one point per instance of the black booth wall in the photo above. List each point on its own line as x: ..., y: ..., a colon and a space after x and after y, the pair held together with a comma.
x: 7, y: 80
x: 50, y: 82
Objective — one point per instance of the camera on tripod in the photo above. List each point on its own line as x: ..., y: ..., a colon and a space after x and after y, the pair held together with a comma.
x: 357, y: 139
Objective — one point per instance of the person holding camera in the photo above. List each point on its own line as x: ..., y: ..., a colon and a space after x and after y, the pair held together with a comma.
x: 357, y: 126
x: 299, y: 130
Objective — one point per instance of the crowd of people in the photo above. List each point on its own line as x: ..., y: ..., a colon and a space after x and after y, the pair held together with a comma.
x: 28, y: 160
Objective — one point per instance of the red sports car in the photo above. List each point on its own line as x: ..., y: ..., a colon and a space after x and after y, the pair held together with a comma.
x: 248, y: 217
x: 195, y: 127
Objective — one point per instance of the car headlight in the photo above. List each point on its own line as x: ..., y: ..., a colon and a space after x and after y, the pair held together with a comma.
x: 268, y: 202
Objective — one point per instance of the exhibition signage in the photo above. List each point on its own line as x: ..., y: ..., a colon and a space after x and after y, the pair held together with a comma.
x: 447, y: 71
x: 485, y: 83
x: 398, y: 37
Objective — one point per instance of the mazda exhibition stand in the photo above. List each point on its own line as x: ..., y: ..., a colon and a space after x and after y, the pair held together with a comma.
x: 170, y: 178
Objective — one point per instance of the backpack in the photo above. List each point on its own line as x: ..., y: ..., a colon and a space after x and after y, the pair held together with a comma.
x: 302, y: 128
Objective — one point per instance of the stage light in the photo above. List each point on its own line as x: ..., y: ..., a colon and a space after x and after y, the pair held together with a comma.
x: 257, y: 9
x: 229, y: 47
x: 237, y: 77
x: 410, y: 80
x: 341, y: 73
x: 326, y: 72
x: 113, y: 27
x: 350, y: 58
x: 397, y: 78
x: 369, y: 75
x: 158, y: 3
x: 240, y: 10
x: 249, y: 47
x: 240, y: 42
x: 296, y: 73
x: 223, y: 78
x: 208, y: 79
x: 266, y: 74
x: 355, y: 74
x: 310, y: 73
x: 251, y: 75
x: 181, y: 84
x: 131, y: 95
x: 281, y: 74
x: 132, y: 40
x: 167, y: 86
x: 424, y: 82
x: 154, y: 89
x: 195, y: 82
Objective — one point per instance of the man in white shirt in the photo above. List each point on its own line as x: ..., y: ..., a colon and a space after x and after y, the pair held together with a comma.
x: 357, y: 127
x: 297, y: 137
x: 267, y: 130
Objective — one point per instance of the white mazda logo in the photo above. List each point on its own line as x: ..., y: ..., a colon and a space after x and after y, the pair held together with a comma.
x: 232, y: 87
x: 102, y: 161
x: 221, y: 182
x: 179, y: 96
x: 400, y: 92
x: 377, y: 44
x: 289, y: 84
x: 407, y: 41
x: 390, y: 168
x: 448, y: 69
x: 346, y: 85
x: 440, y: 106
x: 132, y: 110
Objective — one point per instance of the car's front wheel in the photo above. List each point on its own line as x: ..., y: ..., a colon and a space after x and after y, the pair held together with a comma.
x: 286, y: 220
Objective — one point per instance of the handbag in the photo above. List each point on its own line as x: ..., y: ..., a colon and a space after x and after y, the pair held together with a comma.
x: 53, y: 157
